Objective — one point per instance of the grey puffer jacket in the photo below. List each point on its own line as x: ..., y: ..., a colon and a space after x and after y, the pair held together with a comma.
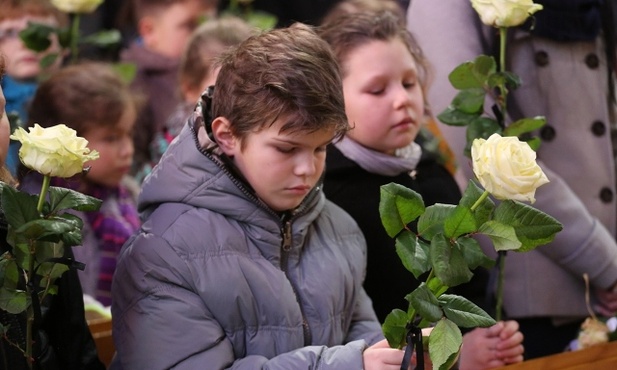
x: 207, y: 283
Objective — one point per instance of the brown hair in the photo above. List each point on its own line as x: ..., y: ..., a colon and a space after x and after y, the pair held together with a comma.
x: 283, y: 72
x: 143, y: 8
x: 346, y: 7
x: 13, y: 9
x: 82, y: 96
x: 353, y: 30
x: 207, y: 43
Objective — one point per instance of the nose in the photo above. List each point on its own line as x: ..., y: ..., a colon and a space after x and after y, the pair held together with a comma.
x: 306, y: 165
x: 127, y: 149
x: 402, y: 97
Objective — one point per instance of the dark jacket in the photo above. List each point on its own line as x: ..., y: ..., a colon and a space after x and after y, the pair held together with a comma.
x: 63, y: 339
x: 357, y: 191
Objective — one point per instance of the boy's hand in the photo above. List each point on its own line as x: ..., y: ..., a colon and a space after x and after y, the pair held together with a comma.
x: 380, y: 356
x: 488, y: 348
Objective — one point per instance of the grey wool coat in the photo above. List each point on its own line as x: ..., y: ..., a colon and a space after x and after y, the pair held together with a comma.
x: 568, y: 83
x: 206, y: 284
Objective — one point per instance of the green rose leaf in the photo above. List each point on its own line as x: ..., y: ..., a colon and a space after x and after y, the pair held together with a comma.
x: 103, y: 39
x: 126, y: 71
x: 444, y: 344
x: 13, y: 301
x: 459, y: 222
x: 398, y: 206
x: 436, y: 286
x: 481, y: 127
x: 395, y: 328
x: 470, y: 101
x: 36, y: 36
x: 50, y: 230
x: 19, y: 208
x: 464, y: 312
x: 74, y: 236
x: 473, y: 74
x: 10, y: 277
x: 523, y: 126
x: 48, y: 60
x: 503, y: 236
x: 448, y: 262
x: 456, y: 117
x: 431, y: 222
x: 531, y: 226
x: 473, y: 254
x: 50, y: 272
x: 483, y: 211
x: 413, y: 253
x: 62, y: 198
x: 425, y: 303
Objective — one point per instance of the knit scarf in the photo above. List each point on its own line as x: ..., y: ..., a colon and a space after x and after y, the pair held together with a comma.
x: 111, y: 227
x: 405, y: 159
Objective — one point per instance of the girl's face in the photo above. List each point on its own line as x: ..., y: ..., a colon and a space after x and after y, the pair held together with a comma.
x: 384, y: 101
x: 115, y: 147
x: 21, y: 62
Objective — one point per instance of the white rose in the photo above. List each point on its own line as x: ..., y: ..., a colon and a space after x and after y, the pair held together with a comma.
x: 593, y: 332
x: 504, y: 13
x: 76, y: 6
x: 53, y: 151
x: 506, y: 167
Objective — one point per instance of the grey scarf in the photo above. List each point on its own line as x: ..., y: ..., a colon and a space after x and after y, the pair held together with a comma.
x: 405, y: 159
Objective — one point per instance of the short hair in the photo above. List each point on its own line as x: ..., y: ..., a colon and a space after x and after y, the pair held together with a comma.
x: 345, y: 7
x: 143, y: 8
x: 288, y: 72
x: 353, y: 30
x: 206, y: 44
x: 13, y: 9
x: 82, y: 96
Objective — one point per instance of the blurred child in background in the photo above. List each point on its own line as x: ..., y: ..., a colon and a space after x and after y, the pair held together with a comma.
x: 164, y: 28
x: 197, y: 70
x: 23, y: 66
x: 92, y: 99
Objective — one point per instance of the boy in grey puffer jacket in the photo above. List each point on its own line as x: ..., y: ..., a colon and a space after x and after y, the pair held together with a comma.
x: 241, y: 262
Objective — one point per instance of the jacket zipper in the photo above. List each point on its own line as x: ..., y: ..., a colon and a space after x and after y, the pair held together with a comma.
x: 285, y: 249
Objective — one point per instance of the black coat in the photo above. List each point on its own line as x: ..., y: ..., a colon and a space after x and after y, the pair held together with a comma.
x: 358, y: 192
x: 64, y: 340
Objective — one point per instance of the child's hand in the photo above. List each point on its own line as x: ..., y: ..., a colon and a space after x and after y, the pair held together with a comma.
x: 380, y: 356
x: 488, y: 348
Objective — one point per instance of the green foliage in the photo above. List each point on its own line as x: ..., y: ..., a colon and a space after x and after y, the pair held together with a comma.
x: 475, y: 80
x: 443, y: 245
x: 37, y: 241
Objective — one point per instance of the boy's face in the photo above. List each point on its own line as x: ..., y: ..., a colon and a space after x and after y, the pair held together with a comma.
x: 383, y: 97
x: 115, y: 147
x: 21, y: 62
x: 281, y: 167
x: 168, y: 31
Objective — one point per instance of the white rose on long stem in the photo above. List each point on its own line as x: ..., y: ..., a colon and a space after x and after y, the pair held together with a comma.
x: 506, y: 167
x: 505, y: 13
x: 55, y: 151
x: 77, y: 6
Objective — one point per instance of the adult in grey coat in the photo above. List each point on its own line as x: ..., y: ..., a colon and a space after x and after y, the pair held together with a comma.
x: 232, y: 269
x: 566, y: 78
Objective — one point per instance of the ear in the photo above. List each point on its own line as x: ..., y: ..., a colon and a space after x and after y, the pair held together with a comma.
x: 145, y: 28
x: 221, y: 128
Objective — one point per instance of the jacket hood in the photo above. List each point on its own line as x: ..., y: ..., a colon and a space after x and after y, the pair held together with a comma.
x: 190, y: 175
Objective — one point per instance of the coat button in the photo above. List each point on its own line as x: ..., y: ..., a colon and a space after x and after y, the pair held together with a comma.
x: 606, y: 195
x: 548, y: 133
x: 598, y: 128
x: 541, y: 58
x: 592, y: 61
